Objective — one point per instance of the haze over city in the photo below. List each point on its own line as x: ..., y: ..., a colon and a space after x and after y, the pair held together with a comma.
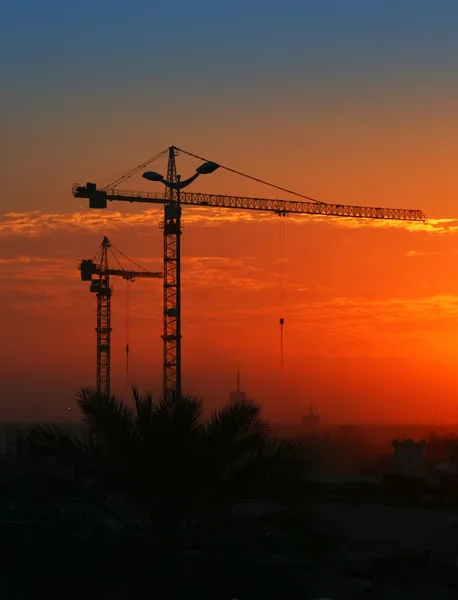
x: 348, y: 102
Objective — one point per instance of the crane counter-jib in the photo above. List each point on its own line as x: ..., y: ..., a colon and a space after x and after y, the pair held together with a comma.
x: 99, y: 198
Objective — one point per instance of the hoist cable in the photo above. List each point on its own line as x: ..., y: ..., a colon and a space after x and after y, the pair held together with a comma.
x: 282, y: 283
x: 272, y: 185
x: 127, y: 331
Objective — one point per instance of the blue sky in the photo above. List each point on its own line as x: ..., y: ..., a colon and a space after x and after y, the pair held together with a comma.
x: 82, y: 48
x: 113, y: 71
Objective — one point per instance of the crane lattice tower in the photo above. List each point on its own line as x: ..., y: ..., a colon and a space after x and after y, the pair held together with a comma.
x: 97, y: 271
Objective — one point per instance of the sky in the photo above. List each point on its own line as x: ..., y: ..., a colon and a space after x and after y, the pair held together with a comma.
x: 348, y: 101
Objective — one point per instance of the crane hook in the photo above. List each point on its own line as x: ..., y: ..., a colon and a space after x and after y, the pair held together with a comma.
x: 282, y: 322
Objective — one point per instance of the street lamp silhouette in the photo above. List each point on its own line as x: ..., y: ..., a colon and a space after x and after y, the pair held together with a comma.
x: 172, y: 270
x: 205, y: 169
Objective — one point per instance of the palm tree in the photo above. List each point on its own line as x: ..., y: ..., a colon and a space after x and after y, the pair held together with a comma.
x: 214, y: 505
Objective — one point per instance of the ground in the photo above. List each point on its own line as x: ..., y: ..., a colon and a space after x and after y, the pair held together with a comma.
x: 390, y: 553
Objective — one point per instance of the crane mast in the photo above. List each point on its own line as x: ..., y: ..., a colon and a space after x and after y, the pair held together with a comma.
x: 104, y: 338
x: 172, y: 285
x: 173, y: 200
x: 98, y: 273
x: 100, y: 285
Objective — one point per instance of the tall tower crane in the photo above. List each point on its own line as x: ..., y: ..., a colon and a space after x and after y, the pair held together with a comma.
x: 98, y: 273
x: 173, y: 200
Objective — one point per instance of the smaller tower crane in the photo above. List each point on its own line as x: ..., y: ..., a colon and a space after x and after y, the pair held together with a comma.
x: 97, y: 271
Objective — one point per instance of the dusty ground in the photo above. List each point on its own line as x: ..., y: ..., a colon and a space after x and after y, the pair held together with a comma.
x: 390, y: 553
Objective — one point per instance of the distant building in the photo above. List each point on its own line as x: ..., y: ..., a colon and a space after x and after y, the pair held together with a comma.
x: 444, y: 460
x: 409, y: 457
x: 12, y: 434
x: 238, y: 395
x: 311, y: 422
x: 453, y: 451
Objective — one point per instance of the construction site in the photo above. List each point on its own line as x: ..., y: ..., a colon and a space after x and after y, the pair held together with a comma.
x: 173, y: 198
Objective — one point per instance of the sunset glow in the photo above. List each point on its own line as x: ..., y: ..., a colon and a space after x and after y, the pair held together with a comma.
x: 370, y: 308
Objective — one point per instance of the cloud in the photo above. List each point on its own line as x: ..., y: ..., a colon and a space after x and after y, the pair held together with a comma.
x: 358, y: 317
x: 38, y: 223
x: 407, y: 326
x: 404, y: 308
x: 41, y: 268
x: 411, y: 253
x: 224, y: 272
x: 26, y: 260
x: 436, y: 226
x: 40, y: 284
x: 227, y: 295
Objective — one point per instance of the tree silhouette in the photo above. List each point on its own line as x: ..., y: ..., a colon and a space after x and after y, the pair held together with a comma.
x: 213, y: 507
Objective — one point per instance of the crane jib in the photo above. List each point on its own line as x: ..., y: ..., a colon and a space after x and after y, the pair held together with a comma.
x: 98, y: 199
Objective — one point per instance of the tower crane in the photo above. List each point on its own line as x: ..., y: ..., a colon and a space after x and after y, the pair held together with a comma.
x: 98, y: 273
x: 174, y: 198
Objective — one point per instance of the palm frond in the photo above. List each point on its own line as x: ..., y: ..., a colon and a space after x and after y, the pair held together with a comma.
x: 111, y: 422
x: 173, y: 480
x: 273, y: 472
x: 144, y: 408
x: 52, y: 441
x: 237, y: 420
x: 143, y: 404
x: 180, y: 416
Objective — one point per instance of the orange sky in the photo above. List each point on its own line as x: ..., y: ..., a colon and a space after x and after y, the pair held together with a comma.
x: 371, y: 309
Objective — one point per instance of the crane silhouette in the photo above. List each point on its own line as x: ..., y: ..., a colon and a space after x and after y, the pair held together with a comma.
x: 98, y: 272
x: 175, y: 197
